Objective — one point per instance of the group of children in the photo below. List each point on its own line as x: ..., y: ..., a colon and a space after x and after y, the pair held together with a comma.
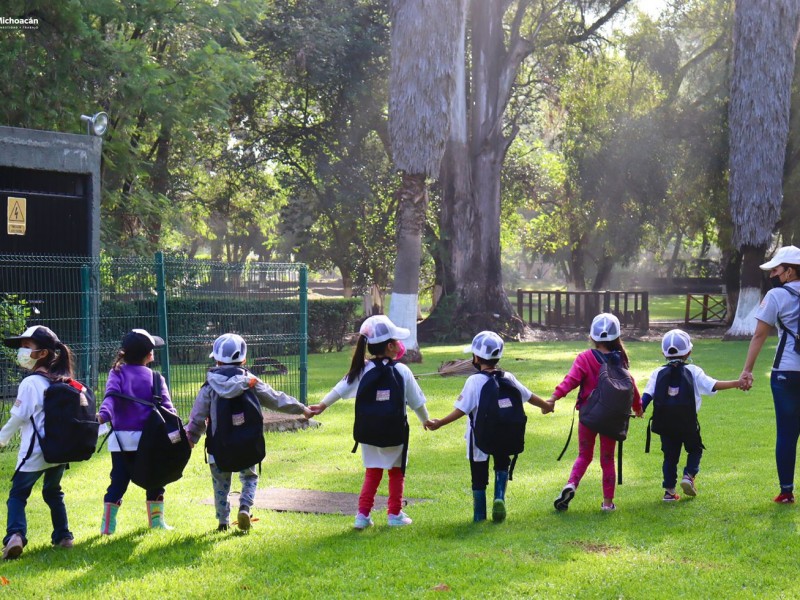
x: 383, y: 388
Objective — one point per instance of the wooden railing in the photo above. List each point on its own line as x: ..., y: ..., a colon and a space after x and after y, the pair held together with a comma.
x: 710, y: 308
x: 577, y: 309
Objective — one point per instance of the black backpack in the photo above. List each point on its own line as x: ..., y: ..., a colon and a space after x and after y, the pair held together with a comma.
x: 164, y: 449
x: 380, y: 418
x: 607, y: 410
x: 70, y: 423
x: 498, y: 426
x: 674, y: 407
x: 237, y: 441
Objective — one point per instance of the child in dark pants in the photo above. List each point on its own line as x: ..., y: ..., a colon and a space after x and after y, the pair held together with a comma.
x: 487, y: 349
x: 675, y: 390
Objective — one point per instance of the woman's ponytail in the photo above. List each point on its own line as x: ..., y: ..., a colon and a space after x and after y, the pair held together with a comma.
x: 359, y: 355
x: 61, y: 365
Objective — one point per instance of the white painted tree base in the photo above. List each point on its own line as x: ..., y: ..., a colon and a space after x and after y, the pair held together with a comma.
x: 744, y: 324
x: 403, y: 313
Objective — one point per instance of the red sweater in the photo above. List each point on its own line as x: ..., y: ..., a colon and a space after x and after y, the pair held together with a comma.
x: 583, y: 374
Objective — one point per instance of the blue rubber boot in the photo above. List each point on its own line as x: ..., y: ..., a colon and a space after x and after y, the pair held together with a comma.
x: 478, y: 505
x: 499, y: 505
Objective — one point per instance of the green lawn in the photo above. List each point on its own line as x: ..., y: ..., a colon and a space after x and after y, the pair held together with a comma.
x: 731, y: 541
x: 670, y: 307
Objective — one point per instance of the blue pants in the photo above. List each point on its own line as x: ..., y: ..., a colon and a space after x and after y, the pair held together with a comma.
x: 786, y: 396
x: 121, y: 478
x: 671, y: 447
x: 21, y: 487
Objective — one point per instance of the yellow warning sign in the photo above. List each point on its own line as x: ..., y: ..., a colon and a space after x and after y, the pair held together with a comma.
x: 17, y: 216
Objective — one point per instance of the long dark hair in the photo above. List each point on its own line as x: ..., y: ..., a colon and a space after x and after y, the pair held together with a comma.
x: 616, y: 346
x: 360, y: 355
x: 58, y: 363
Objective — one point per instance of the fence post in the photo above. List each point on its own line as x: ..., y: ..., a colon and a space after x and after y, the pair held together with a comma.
x: 519, y: 304
x: 161, y: 302
x: 646, y: 309
x: 303, y: 334
x: 86, y: 315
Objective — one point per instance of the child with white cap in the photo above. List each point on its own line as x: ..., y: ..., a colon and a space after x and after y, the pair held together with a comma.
x: 605, y: 333
x: 130, y: 376
x: 490, y: 385
x: 382, y: 388
x: 229, y: 396
x: 675, y: 390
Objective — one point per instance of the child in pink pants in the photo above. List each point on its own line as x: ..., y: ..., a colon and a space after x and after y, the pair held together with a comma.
x: 605, y: 332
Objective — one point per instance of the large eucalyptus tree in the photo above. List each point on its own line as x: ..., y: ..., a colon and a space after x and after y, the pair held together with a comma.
x: 426, y: 36
x: 765, y: 35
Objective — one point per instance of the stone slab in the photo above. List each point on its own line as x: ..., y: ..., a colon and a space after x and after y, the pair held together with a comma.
x: 310, y: 501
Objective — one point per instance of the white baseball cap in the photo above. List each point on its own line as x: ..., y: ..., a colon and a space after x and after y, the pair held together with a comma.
x: 487, y: 345
x: 229, y: 348
x: 379, y: 329
x: 675, y: 343
x: 605, y: 328
x: 786, y: 255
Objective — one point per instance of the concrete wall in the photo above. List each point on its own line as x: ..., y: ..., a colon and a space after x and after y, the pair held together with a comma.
x: 61, y: 152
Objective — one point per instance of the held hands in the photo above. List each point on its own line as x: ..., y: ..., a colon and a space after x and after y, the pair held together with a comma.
x: 308, y: 413
x: 432, y: 424
x: 317, y: 409
x: 549, y: 406
x: 745, y: 381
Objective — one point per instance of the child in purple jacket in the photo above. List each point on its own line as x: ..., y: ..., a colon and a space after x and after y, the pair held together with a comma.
x: 130, y: 376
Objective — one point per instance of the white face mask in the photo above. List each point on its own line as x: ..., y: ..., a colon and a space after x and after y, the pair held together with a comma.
x: 25, y: 360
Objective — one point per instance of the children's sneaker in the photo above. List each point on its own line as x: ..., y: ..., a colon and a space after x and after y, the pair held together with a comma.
x: 222, y: 527
x: 608, y: 507
x: 399, y: 520
x: 243, y: 520
x: 784, y: 498
x: 562, y: 502
x: 66, y: 543
x: 498, y: 510
x: 671, y: 497
x: 13, y: 548
x: 687, y: 485
x: 363, y: 521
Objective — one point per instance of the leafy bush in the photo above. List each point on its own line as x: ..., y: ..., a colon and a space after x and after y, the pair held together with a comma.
x: 329, y: 321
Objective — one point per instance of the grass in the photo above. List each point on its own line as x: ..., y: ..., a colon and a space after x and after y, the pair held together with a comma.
x: 731, y: 541
x: 670, y: 307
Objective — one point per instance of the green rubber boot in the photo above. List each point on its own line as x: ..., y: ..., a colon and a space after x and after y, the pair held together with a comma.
x: 109, y: 523
x: 499, y: 505
x: 478, y: 505
x: 155, y: 515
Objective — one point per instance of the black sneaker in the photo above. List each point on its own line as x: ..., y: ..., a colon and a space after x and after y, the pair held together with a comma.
x: 222, y: 527
x: 562, y: 502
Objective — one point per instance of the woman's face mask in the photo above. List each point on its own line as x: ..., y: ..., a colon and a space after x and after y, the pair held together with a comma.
x: 25, y: 360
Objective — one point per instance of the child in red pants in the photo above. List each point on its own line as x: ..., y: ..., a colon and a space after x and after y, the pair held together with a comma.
x: 382, y: 339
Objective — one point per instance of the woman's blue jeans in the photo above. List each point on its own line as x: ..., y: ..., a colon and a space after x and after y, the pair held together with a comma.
x: 21, y: 487
x: 786, y: 395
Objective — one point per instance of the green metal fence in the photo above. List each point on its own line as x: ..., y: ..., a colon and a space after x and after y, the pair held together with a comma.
x: 92, y: 302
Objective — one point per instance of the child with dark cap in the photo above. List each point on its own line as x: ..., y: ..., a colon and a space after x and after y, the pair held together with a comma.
x: 130, y: 376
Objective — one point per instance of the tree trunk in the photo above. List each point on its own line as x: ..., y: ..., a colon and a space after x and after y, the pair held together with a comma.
x: 765, y: 35
x: 744, y: 324
x: 674, y: 258
x: 603, y: 275
x: 347, y: 283
x: 411, y: 208
x: 576, y: 267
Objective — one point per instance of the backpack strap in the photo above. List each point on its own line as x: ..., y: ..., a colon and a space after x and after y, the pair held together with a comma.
x: 785, y: 334
x: 511, y: 467
x: 619, y: 463
x: 571, y: 427
x: 649, y: 434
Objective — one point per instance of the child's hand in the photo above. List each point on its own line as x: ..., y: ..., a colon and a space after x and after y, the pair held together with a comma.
x: 638, y: 413
x: 548, y: 407
x: 317, y: 409
x: 189, y: 438
x: 307, y: 412
x: 99, y: 419
x: 252, y: 382
x: 432, y: 424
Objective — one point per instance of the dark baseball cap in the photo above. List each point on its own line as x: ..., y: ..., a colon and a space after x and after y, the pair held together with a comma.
x: 43, y: 336
x: 137, y: 343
